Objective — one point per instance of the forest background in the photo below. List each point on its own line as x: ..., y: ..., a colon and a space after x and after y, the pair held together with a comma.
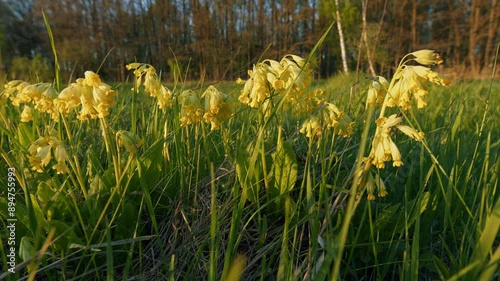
x: 219, y: 40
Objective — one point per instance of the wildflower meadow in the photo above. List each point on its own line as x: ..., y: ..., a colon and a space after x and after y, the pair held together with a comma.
x: 274, y: 176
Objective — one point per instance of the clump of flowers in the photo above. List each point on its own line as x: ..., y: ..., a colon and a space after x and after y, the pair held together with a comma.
x: 40, y: 154
x: 406, y: 90
x: 383, y: 148
x: 191, y: 109
x: 39, y: 96
x: 328, y: 116
x: 96, y: 97
x: 217, y: 107
x: 145, y: 75
x: 288, y: 78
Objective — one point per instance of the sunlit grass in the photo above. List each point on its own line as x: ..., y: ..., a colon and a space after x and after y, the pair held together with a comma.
x: 157, y: 191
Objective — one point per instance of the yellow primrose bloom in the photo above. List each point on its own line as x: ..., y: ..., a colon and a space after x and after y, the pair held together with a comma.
x: 217, y: 107
x: 295, y: 72
x: 146, y: 75
x: 61, y: 155
x: 68, y: 99
x: 383, y: 148
x: 410, y: 86
x: 312, y: 127
x: 92, y: 79
x: 412, y: 133
x: 164, y: 98
x: 256, y: 88
x: 95, y: 96
x: 45, y: 103
x: 427, y: 57
x: 330, y: 116
x: 191, y: 110
x: 27, y: 114
x: 376, y: 91
x: 40, y: 154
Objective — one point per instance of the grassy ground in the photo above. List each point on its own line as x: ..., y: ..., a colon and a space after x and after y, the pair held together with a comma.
x: 256, y: 199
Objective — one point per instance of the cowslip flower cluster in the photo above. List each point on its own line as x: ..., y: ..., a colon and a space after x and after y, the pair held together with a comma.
x: 146, y: 76
x: 217, y: 107
x: 39, y: 96
x: 40, y: 154
x: 191, y: 108
x: 289, y: 77
x: 408, y: 88
x: 383, y: 147
x: 409, y: 80
x: 329, y: 116
x: 376, y: 91
x: 94, y: 96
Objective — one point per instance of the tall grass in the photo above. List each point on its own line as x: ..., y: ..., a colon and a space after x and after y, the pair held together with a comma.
x: 256, y: 199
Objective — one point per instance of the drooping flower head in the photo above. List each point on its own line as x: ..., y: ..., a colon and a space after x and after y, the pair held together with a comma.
x: 383, y: 147
x: 217, y: 107
x: 191, y: 109
x: 40, y: 154
x: 328, y: 116
x: 147, y: 76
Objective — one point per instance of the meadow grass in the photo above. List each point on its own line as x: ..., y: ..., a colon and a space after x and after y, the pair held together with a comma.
x: 150, y: 198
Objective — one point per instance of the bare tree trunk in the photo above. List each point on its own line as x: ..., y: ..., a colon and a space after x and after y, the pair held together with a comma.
x: 341, y: 37
x: 364, y: 3
x: 413, y: 25
x: 473, y: 28
x: 492, y: 27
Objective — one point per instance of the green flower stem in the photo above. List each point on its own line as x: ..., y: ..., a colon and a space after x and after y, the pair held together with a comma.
x: 111, y: 152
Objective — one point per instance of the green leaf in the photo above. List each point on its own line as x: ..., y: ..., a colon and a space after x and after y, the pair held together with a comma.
x: 26, y: 249
x: 485, y: 243
x: 242, y: 172
x: 284, y: 168
x: 64, y: 235
x: 25, y: 134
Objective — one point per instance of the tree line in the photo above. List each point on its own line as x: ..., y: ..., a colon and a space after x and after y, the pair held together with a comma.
x: 220, y: 40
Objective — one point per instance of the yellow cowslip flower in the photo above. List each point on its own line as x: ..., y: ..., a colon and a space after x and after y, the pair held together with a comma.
x: 329, y: 116
x: 373, y: 183
x: 337, y: 119
x: 256, y: 88
x: 146, y: 75
x: 410, y: 85
x: 40, y: 154
x: 191, y: 109
x: 312, y: 127
x: 26, y: 93
x: 217, y: 107
x: 130, y: 141
x: 27, y: 114
x: 164, y: 98
x: 427, y: 57
x: 376, y: 91
x: 69, y: 98
x: 96, y: 97
x: 12, y: 87
x: 61, y: 155
x: 45, y: 103
x: 295, y: 72
x: 383, y: 148
x: 412, y: 133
